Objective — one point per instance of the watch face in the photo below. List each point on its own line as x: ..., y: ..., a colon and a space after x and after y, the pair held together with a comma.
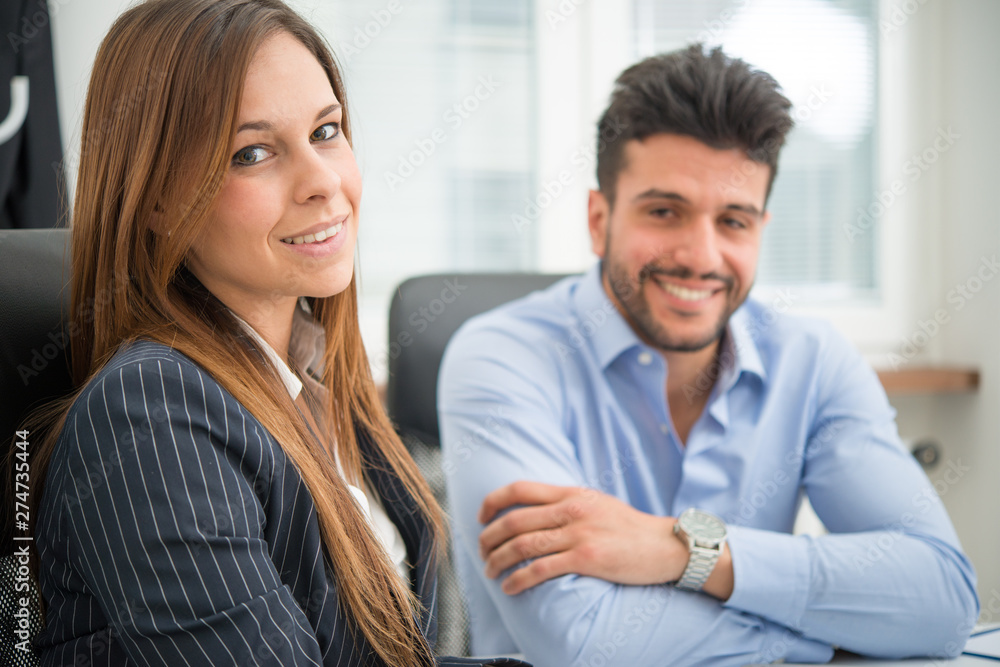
x: 703, y: 526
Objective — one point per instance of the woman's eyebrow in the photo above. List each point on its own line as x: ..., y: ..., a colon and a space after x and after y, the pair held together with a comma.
x: 268, y: 126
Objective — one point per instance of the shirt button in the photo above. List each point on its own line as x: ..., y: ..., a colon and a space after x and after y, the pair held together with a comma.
x: 645, y: 358
x: 664, y: 429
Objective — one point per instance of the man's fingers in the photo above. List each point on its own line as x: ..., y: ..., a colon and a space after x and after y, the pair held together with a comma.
x: 536, y: 572
x: 520, y: 493
x: 520, y: 521
x: 525, y: 547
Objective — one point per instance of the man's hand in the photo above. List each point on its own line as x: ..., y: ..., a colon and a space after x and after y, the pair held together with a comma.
x: 575, y: 530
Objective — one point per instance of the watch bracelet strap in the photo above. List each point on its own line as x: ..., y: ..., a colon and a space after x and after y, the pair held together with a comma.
x: 700, y: 565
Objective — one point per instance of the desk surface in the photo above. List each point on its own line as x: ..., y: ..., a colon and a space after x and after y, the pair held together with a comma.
x: 858, y: 661
x: 960, y: 661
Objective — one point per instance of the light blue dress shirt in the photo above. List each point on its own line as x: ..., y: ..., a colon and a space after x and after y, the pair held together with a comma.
x: 557, y: 388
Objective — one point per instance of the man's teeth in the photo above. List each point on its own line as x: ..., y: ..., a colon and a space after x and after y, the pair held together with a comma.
x: 315, y: 238
x: 685, y: 293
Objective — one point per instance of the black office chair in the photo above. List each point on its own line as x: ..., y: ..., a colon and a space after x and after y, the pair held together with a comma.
x: 423, y: 315
x: 34, y: 272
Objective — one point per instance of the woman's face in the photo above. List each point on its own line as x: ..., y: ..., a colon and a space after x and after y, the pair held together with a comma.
x: 286, y: 220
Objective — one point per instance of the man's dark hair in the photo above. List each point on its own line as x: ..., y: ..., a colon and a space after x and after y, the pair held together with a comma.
x: 720, y: 101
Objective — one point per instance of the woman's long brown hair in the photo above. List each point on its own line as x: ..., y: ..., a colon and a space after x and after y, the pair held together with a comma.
x: 160, y: 118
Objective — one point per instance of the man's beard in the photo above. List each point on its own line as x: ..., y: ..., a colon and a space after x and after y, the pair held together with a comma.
x: 632, y: 301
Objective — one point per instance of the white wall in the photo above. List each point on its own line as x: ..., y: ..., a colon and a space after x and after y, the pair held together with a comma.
x: 958, y: 82
x: 78, y: 26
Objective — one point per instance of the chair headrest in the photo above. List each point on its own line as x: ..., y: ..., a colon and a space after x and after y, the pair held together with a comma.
x: 424, y: 313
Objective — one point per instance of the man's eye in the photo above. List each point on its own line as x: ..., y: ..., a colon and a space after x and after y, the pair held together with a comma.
x: 249, y: 155
x: 735, y: 223
x: 325, y: 132
x: 662, y: 212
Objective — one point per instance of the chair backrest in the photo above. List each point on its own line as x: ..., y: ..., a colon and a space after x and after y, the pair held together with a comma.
x: 34, y: 297
x: 423, y: 315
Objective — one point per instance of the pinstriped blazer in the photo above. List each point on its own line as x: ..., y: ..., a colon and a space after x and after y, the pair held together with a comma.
x: 174, y: 531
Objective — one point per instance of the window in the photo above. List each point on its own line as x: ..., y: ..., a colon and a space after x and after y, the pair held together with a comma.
x: 474, y: 129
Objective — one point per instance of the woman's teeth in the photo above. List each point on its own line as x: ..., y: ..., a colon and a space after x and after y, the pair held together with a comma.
x: 315, y: 238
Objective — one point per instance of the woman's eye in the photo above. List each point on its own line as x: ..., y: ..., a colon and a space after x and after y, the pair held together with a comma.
x: 249, y: 155
x: 325, y: 132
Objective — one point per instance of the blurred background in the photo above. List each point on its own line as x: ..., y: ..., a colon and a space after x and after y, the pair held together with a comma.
x: 474, y: 129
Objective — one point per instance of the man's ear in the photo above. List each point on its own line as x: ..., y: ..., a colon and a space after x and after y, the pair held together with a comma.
x: 764, y: 219
x: 598, y: 218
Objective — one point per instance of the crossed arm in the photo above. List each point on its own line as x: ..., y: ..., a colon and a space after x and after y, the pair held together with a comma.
x: 577, y: 530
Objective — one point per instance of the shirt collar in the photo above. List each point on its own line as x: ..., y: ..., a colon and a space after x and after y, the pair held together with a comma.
x: 598, y: 320
x: 737, y: 355
x: 305, y: 348
x: 739, y: 349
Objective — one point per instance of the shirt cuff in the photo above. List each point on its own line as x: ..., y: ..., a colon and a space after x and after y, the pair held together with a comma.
x: 771, y: 573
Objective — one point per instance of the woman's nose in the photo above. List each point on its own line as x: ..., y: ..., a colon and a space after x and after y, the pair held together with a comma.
x: 315, y: 176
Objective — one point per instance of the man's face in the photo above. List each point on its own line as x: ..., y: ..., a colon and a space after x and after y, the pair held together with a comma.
x: 680, y: 245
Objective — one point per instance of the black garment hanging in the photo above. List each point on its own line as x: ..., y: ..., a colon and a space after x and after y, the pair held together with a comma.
x: 32, y: 192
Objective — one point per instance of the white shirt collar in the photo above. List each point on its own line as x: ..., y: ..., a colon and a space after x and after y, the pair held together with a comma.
x: 305, y: 347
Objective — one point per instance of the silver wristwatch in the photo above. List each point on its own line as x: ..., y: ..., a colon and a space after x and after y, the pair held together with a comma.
x: 705, y: 535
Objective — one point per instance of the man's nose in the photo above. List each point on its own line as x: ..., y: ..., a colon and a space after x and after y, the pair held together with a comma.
x: 697, y: 246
